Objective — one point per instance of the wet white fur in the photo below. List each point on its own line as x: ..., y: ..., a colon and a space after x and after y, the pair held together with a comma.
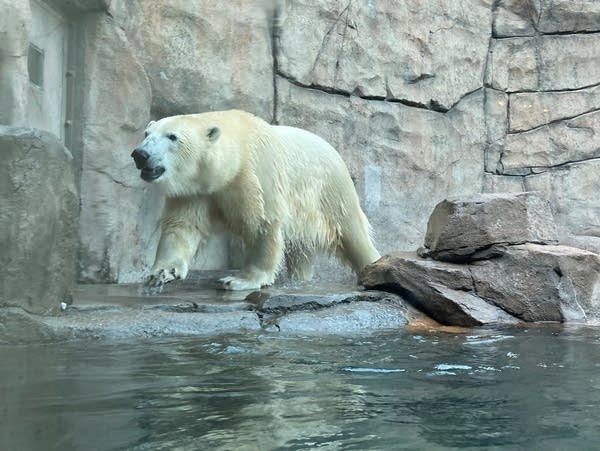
x: 284, y: 191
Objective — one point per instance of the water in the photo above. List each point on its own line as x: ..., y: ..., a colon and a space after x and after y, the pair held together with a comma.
x: 536, y: 388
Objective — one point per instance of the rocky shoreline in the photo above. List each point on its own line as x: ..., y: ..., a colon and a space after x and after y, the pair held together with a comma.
x: 195, y: 308
x: 487, y: 260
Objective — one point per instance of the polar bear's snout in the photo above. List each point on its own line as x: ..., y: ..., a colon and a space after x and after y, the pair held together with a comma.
x: 142, y: 161
x: 140, y: 157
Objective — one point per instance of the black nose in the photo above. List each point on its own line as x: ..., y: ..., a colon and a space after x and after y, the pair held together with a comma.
x: 140, y: 157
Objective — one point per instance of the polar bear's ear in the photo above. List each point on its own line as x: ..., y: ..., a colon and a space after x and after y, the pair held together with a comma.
x: 150, y: 123
x: 213, y: 133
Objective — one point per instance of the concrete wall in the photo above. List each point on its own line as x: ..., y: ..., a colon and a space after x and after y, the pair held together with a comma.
x: 423, y: 99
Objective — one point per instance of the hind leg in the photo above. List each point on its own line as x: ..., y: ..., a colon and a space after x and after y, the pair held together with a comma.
x: 299, y: 263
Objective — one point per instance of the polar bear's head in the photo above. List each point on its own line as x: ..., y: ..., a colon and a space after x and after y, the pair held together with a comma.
x: 183, y: 155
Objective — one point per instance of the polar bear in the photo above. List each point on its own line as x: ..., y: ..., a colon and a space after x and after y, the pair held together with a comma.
x: 283, y: 190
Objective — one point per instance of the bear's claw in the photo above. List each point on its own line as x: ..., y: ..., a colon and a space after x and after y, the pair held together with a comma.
x: 155, y: 283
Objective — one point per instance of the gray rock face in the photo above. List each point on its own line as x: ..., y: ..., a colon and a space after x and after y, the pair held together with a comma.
x: 119, y: 213
x: 553, y: 145
x: 541, y: 283
x: 537, y: 63
x: 444, y: 291
x: 466, y: 229
x: 410, y: 64
x: 529, y: 282
x: 530, y: 110
x: 515, y: 18
x: 513, y: 277
x: 559, y: 16
x: 337, y: 313
x: 15, y: 23
x: 203, y: 55
x: 572, y: 190
x: 587, y: 243
x: 38, y: 220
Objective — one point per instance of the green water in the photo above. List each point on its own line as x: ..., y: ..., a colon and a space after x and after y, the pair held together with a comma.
x: 536, y: 388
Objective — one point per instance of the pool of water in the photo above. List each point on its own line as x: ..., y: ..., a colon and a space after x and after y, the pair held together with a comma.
x: 533, y: 388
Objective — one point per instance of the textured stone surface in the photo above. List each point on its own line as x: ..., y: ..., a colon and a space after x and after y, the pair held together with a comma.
x: 496, y: 119
x: 529, y: 110
x: 539, y: 63
x: 585, y: 242
x: 194, y: 307
x: 529, y: 282
x: 119, y: 214
x: 524, y: 17
x: 553, y: 145
x: 332, y: 312
x: 460, y: 229
x: 559, y: 16
x: 541, y: 283
x: 547, y: 62
x: 573, y: 192
x: 444, y: 291
x: 402, y: 159
x: 334, y: 45
x: 514, y: 18
x: 15, y: 23
x: 347, y: 319
x: 38, y: 220
x: 203, y: 55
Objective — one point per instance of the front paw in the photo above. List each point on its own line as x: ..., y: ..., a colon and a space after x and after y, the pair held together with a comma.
x: 238, y: 284
x: 156, y: 281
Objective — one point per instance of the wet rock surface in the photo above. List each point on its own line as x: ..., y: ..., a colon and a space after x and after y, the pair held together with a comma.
x: 195, y: 307
x: 515, y: 278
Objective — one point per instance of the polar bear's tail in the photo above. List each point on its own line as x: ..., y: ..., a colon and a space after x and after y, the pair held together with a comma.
x: 356, y: 245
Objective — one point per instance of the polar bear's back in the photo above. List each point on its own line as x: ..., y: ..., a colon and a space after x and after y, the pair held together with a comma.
x: 308, y: 153
x: 323, y: 205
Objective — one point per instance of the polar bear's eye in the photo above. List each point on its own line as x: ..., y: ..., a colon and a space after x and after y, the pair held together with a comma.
x: 145, y: 134
x: 172, y: 137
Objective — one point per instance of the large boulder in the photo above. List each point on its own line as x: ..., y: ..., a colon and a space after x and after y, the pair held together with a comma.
x: 530, y: 282
x: 470, y: 228
x: 444, y: 291
x: 38, y: 220
x: 541, y: 283
x: 512, y: 271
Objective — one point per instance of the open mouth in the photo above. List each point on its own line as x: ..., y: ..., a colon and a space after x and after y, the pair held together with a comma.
x: 151, y: 174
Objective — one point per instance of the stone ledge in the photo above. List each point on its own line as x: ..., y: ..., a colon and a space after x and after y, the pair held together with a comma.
x: 194, y: 307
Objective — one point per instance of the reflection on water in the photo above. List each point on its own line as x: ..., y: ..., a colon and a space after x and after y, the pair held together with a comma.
x: 537, y: 388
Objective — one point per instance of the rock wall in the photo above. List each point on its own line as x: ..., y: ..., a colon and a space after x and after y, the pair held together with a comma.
x: 423, y: 99
x: 543, y: 77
